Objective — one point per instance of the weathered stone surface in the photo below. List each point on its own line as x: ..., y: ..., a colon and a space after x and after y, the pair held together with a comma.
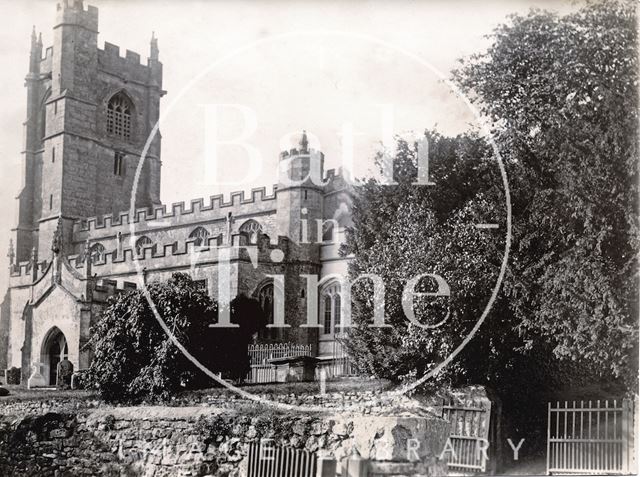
x: 196, y: 441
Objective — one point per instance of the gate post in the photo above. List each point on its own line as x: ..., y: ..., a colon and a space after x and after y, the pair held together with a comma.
x: 548, y: 436
x: 627, y: 433
x: 326, y: 467
x: 355, y: 466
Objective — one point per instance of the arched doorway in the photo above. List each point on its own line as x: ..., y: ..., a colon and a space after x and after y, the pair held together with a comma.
x: 54, y: 349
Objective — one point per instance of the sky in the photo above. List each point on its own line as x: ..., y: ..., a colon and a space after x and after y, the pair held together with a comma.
x: 263, y: 71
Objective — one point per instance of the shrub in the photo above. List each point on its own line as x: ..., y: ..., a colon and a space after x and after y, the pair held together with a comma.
x: 135, y: 360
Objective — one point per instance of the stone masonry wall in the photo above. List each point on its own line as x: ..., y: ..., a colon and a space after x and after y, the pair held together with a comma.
x: 195, y: 441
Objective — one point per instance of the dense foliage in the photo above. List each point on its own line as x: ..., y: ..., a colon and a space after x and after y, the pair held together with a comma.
x: 561, y: 95
x: 402, y: 231
x: 135, y: 360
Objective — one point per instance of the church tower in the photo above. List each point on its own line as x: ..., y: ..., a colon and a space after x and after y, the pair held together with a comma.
x: 89, y: 114
x: 300, y: 193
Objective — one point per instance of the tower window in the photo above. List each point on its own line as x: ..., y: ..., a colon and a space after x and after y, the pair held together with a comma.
x: 305, y: 194
x: 50, y: 201
x: 119, y: 116
x: 118, y: 165
x: 53, y: 154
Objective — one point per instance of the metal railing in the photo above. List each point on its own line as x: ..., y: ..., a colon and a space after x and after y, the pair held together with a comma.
x: 340, y: 365
x: 266, y: 460
x: 592, y: 437
x: 262, y: 371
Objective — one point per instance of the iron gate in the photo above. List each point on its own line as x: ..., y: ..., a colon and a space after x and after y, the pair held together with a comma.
x: 592, y: 437
x: 267, y: 460
x: 469, y: 437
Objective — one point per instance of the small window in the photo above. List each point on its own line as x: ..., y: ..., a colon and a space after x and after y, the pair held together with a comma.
x: 53, y: 154
x: 305, y: 194
x: 55, y: 108
x: 253, y: 230
x: 141, y: 243
x: 118, y: 164
x: 50, y: 201
x: 97, y: 253
x: 200, y: 235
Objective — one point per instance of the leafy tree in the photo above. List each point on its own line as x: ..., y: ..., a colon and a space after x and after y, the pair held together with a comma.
x: 562, y: 93
x: 135, y: 360
x: 402, y: 231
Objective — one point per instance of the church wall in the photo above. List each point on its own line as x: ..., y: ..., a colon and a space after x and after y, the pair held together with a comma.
x: 241, y: 206
x: 19, y: 299
x: 61, y: 310
x: 70, y: 174
x: 5, y: 320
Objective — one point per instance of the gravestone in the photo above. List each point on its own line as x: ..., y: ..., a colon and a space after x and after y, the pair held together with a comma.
x: 65, y: 371
x: 294, y: 368
x: 36, y: 379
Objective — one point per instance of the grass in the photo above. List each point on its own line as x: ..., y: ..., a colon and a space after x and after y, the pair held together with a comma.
x: 21, y: 393
x: 339, y: 385
x: 186, y: 398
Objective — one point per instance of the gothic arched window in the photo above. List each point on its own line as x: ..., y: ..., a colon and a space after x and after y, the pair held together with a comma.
x: 265, y: 298
x: 253, y: 229
x: 119, y: 110
x: 327, y: 315
x: 141, y: 242
x: 96, y: 253
x: 200, y: 235
x: 331, y: 307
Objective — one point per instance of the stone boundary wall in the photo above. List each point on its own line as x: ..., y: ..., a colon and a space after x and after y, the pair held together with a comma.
x: 196, y: 441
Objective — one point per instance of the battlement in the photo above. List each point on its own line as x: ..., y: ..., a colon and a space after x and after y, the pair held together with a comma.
x: 216, y: 207
x: 337, y: 179
x: 24, y: 268
x: 294, y: 152
x: 109, y: 59
x: 105, y: 288
x: 72, y: 12
x: 184, y: 254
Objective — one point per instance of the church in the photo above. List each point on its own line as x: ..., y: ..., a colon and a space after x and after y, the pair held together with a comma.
x: 76, y: 242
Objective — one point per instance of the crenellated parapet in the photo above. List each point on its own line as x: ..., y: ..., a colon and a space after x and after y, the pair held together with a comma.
x: 238, y: 203
x: 186, y: 255
x: 72, y: 12
x: 129, y: 66
x: 293, y: 152
x: 105, y: 288
x: 337, y: 179
x: 23, y: 272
